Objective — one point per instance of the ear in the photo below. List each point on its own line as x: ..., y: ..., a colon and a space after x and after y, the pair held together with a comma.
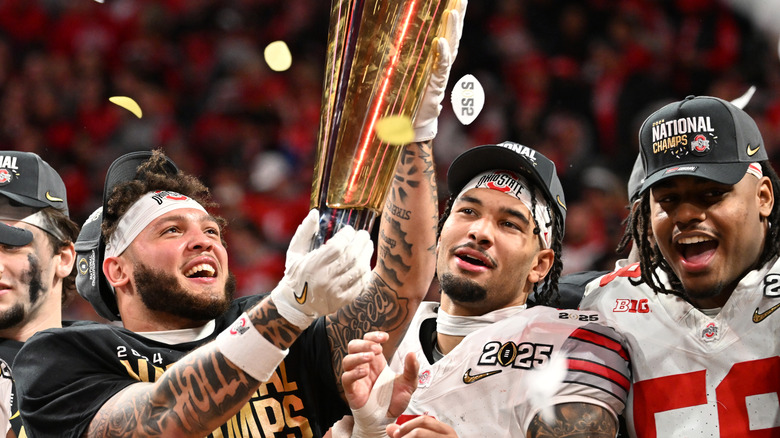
x: 541, y: 265
x: 67, y: 259
x: 765, y: 196
x: 116, y: 271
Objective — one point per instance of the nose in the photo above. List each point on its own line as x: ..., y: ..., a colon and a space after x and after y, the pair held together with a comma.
x: 688, y: 213
x: 482, y: 232
x: 200, y: 241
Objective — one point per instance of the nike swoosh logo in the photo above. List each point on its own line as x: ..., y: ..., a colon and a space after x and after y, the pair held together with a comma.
x: 752, y: 152
x: 758, y: 317
x: 560, y: 202
x: 468, y: 378
x: 304, y: 293
x: 53, y: 198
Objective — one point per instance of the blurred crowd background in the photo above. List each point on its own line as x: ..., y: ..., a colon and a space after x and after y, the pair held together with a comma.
x: 571, y: 78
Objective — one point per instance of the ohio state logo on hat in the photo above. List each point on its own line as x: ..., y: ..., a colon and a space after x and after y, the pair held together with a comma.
x: 5, y: 177
x: 700, y: 145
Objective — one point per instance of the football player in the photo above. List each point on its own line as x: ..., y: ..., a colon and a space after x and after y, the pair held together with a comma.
x: 489, y: 366
x: 701, y: 328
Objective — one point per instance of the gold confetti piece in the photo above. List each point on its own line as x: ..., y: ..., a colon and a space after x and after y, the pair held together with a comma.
x: 277, y: 56
x: 395, y: 130
x: 128, y: 104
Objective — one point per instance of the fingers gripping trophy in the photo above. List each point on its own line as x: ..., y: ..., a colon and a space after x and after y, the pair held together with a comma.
x: 385, y: 58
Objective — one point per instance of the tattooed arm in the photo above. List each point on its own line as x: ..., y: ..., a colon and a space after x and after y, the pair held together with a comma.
x: 405, y: 259
x: 574, y: 420
x: 196, y: 395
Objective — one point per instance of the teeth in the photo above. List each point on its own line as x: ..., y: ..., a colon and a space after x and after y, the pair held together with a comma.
x: 691, y: 240
x: 209, y: 270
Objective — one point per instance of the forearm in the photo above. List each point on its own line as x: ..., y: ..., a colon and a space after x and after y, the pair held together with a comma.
x: 577, y: 419
x: 405, y: 258
x: 196, y: 395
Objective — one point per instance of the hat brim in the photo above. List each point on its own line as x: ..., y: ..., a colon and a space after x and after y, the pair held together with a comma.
x: 724, y: 173
x: 13, y: 236
x: 489, y: 157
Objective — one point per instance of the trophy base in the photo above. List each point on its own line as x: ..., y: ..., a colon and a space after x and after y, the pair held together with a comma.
x: 332, y: 220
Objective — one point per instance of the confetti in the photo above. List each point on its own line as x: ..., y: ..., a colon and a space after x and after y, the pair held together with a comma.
x: 128, y: 104
x: 395, y: 130
x: 468, y: 99
x: 277, y: 56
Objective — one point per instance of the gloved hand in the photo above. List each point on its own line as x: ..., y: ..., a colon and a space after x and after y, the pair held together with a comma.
x: 426, y: 123
x: 322, y: 281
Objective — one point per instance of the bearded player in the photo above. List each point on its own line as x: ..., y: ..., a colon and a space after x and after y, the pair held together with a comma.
x: 489, y: 366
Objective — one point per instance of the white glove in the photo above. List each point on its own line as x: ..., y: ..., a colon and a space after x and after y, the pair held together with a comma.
x: 426, y: 123
x: 322, y: 281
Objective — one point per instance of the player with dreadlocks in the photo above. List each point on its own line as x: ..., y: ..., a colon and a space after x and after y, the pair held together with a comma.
x: 698, y: 315
x: 479, y: 350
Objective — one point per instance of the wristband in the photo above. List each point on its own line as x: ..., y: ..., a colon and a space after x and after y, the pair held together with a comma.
x: 243, y: 345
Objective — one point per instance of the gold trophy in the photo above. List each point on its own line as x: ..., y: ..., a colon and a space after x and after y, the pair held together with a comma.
x: 379, y: 61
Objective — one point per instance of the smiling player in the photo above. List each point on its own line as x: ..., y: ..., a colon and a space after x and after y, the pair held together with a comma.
x: 707, y: 235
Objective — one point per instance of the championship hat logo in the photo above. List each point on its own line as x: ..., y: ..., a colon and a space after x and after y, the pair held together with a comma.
x: 700, y: 145
x: 5, y: 177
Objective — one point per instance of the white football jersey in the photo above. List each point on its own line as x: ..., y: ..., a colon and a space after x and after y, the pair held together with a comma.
x: 482, y: 388
x: 6, y: 383
x: 693, y: 375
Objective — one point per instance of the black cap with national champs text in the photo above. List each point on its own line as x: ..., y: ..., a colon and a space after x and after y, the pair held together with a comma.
x: 27, y: 179
x: 509, y: 156
x: 91, y: 283
x: 702, y: 136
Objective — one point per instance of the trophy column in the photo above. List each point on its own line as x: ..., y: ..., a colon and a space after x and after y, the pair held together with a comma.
x: 378, y: 64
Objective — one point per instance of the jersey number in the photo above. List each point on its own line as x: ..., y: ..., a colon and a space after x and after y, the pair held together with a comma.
x: 678, y: 391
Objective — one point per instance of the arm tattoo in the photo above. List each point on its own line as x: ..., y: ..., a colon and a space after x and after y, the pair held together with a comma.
x: 274, y: 328
x: 377, y: 308
x: 404, y: 250
x: 196, y: 395
x: 575, y: 420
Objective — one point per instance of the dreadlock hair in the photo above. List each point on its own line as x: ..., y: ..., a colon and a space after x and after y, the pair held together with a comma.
x: 650, y: 255
x: 151, y: 176
x: 549, y: 295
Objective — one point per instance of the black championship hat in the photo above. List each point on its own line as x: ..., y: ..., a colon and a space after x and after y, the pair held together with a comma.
x: 514, y: 157
x: 27, y: 179
x: 13, y: 236
x: 91, y: 283
x: 700, y: 136
x: 636, y: 179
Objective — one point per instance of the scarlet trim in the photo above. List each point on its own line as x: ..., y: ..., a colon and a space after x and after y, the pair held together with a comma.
x: 599, y: 370
x: 598, y: 339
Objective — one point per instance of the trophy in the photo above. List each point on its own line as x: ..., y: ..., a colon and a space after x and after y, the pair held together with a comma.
x: 379, y: 60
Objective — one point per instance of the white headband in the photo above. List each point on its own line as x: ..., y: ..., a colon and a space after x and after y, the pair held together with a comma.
x: 29, y: 215
x: 518, y: 187
x: 755, y: 170
x: 151, y: 206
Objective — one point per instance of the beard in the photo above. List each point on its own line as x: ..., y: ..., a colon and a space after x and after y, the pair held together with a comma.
x: 162, y: 292
x: 33, y: 278
x: 462, y: 290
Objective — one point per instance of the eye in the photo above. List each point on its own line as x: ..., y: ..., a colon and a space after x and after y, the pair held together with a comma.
x: 511, y: 225
x: 10, y: 249
x: 212, y: 231
x: 170, y: 230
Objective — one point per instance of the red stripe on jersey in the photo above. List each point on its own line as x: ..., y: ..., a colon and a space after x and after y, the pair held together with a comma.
x: 599, y: 370
x: 599, y: 339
